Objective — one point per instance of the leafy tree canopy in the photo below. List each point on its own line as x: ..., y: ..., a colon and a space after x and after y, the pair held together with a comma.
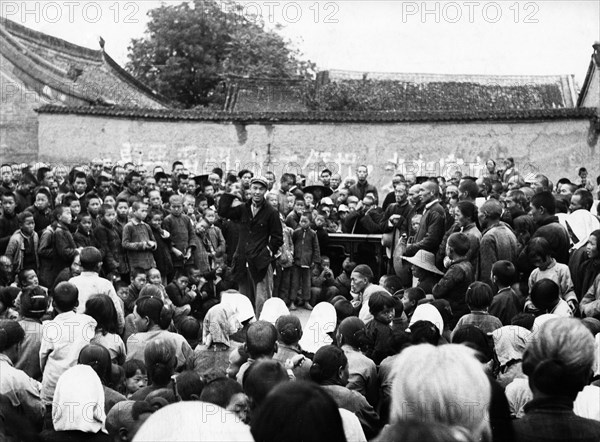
x: 188, y: 49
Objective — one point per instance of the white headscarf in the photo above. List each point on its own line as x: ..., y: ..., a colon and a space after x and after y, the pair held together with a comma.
x: 78, y: 402
x: 582, y: 223
x: 241, y: 305
x: 219, y: 324
x: 193, y: 420
x: 322, y: 320
x: 510, y: 342
x: 428, y: 312
x: 272, y: 309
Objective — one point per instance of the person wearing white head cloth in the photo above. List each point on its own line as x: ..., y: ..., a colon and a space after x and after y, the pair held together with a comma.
x: 78, y: 407
x: 321, y: 322
x: 427, y: 312
x: 509, y: 345
x: 242, y: 306
x: 193, y: 421
x: 273, y: 308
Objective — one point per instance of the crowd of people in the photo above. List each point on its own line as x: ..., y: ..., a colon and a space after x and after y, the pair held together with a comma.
x: 162, y: 306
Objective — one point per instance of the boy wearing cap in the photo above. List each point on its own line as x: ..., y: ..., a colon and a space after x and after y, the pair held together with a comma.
x: 22, y: 391
x: 260, y: 238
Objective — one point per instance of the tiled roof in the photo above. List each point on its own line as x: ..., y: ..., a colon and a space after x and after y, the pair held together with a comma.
x: 321, y: 117
x: 75, y: 73
x: 436, y: 92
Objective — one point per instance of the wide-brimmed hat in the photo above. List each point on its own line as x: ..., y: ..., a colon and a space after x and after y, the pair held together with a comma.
x: 424, y: 260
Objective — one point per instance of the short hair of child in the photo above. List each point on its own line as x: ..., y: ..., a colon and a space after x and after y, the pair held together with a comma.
x: 8, y: 195
x: 289, y: 329
x: 136, y: 271
x: 151, y: 307
x: 65, y: 296
x: 505, y: 272
x: 415, y: 293
x: 380, y: 301
x: 154, y: 212
x: 479, y: 295
x: 459, y: 242
x: 120, y: 284
x: 122, y: 201
x: 424, y: 332
x: 538, y: 248
x: 544, y: 293
x: 83, y: 215
x: 189, y: 327
x: 299, y: 201
x: 175, y: 199
x: 58, y: 211
x: 34, y: 302
x: 219, y: 391
x: 105, y: 208
x: 392, y: 283
x: 22, y: 217
x: 136, y: 205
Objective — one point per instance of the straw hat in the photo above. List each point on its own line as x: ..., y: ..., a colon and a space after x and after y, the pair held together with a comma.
x: 425, y: 260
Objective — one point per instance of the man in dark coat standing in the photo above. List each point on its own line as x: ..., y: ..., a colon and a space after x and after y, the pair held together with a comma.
x: 260, y: 238
x: 433, y: 223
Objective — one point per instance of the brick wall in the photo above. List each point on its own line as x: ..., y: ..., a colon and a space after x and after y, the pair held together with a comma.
x: 556, y: 147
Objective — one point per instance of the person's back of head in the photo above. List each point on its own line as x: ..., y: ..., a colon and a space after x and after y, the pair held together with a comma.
x: 559, y: 360
x: 34, y: 302
x: 479, y: 296
x: 545, y: 294
x: 524, y: 320
x: 149, y: 307
x: 459, y: 243
x: 298, y: 411
x: 438, y: 382
x: 544, y: 200
x: 469, y: 190
x: 328, y: 363
x: 476, y: 339
x: 90, y: 259
x: 220, y: 391
x: 126, y: 417
x: 160, y: 357
x: 190, y: 385
x: 289, y: 329
x: 424, y: 332
x: 351, y: 331
x: 261, y: 340
x: 415, y: 294
x: 97, y: 357
x: 261, y: 377
x: 392, y: 283
x: 380, y: 301
x: 505, y: 273
x: 586, y: 198
x: 491, y: 209
x: 65, y: 297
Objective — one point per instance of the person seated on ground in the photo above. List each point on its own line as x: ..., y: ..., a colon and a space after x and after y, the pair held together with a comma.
x: 506, y: 303
x: 361, y: 289
x: 160, y: 358
x: 289, y: 330
x: 342, y: 281
x: 188, y: 385
x: 424, y: 270
x: 227, y: 394
x: 125, y: 419
x: 410, y: 300
x: 479, y: 297
x: 136, y: 376
x: 423, y: 381
x: 545, y: 298
x: 213, y: 355
x: 261, y: 343
x: 379, y: 329
x: 509, y: 344
x: 558, y: 362
x: 330, y: 370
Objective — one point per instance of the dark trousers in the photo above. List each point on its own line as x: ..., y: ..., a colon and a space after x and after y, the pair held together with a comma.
x: 282, y: 283
x: 300, y: 280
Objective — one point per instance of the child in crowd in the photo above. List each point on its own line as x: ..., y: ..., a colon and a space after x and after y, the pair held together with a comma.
x: 155, y: 279
x: 293, y: 218
x: 122, y: 209
x: 321, y: 231
x: 182, y: 233
x: 201, y: 205
x: 545, y: 298
x: 322, y: 282
x: 93, y: 208
x: 34, y: 304
x: 204, y: 253
x: 179, y: 291
x: 410, y: 300
x: 506, y: 303
x: 136, y: 376
x: 138, y: 240
x: 458, y: 277
x: 538, y: 252
x: 107, y: 239
x: 23, y: 244
x: 342, y: 281
x: 306, y: 253
x: 74, y: 205
x: 8, y: 220
x: 41, y: 209
x: 83, y: 234
x: 379, y: 329
x: 479, y: 297
x: 65, y: 248
x: 155, y: 203
x: 162, y: 254
x: 285, y: 263
x: 215, y: 236
x: 138, y: 280
x: 309, y: 202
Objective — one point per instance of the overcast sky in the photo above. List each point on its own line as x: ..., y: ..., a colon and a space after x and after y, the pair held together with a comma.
x: 463, y: 37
